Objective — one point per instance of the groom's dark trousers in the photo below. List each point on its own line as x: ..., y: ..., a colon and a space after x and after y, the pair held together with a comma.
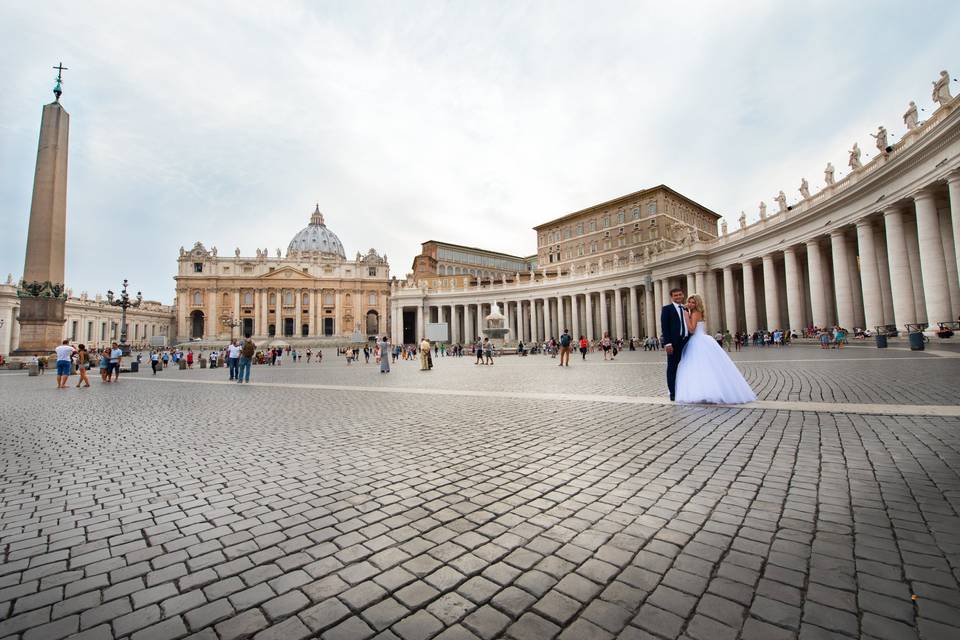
x: 671, y: 329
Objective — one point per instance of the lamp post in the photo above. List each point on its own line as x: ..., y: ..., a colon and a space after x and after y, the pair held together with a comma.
x: 124, y: 303
x: 233, y: 323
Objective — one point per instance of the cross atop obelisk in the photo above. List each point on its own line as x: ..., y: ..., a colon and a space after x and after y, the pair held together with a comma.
x: 58, y: 88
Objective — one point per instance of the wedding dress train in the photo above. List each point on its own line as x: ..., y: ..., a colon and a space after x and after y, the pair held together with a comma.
x: 707, y: 374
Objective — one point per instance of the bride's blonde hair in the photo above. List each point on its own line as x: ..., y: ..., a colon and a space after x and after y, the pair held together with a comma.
x: 697, y: 304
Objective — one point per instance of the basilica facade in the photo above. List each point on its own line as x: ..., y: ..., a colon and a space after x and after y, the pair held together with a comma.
x: 311, y: 293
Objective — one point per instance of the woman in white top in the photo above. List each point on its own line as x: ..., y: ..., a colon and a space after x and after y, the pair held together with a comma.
x: 706, y: 373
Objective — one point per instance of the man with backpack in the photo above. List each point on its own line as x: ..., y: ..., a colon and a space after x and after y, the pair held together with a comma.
x: 246, y: 357
x: 565, y: 341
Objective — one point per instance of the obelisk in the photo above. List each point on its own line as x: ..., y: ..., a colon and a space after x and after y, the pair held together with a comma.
x: 41, y: 292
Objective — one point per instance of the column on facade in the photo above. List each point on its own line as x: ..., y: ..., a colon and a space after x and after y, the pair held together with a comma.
x: 953, y: 189
x: 711, y: 298
x: 604, y: 323
x: 815, y: 270
x: 588, y: 314
x: 901, y: 282
x: 298, y: 311
x: 575, y: 316
x: 658, y: 300
x: 883, y: 268
x: 534, y: 321
x: 236, y: 311
x: 480, y: 315
x: 932, y: 265
x: 418, y: 335
x: 700, y: 286
x: 856, y: 291
x: 617, y: 314
x: 771, y: 293
x: 950, y: 258
x: 634, y: 314
x: 649, y: 310
x: 749, y: 299
x: 692, y: 284
x: 916, y: 275
x: 547, y: 320
x: 869, y: 275
x: 841, y: 279
x: 791, y: 268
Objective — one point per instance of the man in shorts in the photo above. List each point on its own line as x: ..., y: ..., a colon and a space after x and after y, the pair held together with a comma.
x: 64, y: 363
x: 114, y: 368
x: 565, y: 341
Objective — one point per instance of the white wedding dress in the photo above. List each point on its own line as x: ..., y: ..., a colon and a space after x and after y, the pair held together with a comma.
x: 707, y: 374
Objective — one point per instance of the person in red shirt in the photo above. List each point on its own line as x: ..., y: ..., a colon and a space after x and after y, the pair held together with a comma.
x: 584, y: 345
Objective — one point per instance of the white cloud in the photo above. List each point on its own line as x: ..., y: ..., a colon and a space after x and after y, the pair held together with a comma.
x: 468, y: 122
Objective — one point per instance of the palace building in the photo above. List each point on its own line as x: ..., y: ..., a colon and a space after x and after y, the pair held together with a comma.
x: 312, y: 293
x: 446, y: 264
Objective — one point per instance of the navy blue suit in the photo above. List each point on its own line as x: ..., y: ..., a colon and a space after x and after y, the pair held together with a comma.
x: 672, y: 331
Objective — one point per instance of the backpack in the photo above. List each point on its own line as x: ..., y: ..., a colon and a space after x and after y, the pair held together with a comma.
x: 248, y: 349
x: 565, y: 340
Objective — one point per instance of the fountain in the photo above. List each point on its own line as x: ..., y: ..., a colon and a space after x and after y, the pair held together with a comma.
x: 495, y: 326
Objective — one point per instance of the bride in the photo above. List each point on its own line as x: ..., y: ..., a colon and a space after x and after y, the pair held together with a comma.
x: 706, y: 373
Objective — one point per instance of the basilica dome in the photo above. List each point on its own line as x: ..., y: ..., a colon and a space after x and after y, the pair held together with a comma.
x: 315, y: 238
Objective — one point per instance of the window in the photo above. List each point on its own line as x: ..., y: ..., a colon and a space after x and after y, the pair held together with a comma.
x: 652, y: 208
x: 593, y: 225
x: 306, y: 299
x: 73, y: 330
x: 248, y: 298
x: 636, y: 237
x: 328, y: 298
x: 606, y: 221
x: 103, y: 330
x: 580, y: 250
x: 579, y: 228
x: 372, y: 272
x: 372, y: 298
x: 636, y: 213
x: 198, y: 267
x: 621, y: 241
x: 273, y: 298
x: 567, y: 233
x: 606, y: 244
x: 248, y: 269
x: 197, y: 298
x: 593, y: 247
x: 621, y: 217
x: 90, y: 330
x: 288, y: 298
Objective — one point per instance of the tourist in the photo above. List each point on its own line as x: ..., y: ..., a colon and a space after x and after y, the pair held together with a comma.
x: 278, y: 359
x: 366, y: 354
x: 154, y: 361
x: 189, y: 358
x: 116, y: 355
x: 488, y: 350
x: 478, y: 349
x: 443, y: 349
x: 247, y: 352
x: 214, y: 357
x: 584, y: 347
x: 606, y: 345
x: 824, y: 339
x: 424, y: 355
x: 840, y: 337
x: 105, y: 365
x: 565, y: 340
x: 83, y: 363
x: 64, y: 363
x: 384, y: 347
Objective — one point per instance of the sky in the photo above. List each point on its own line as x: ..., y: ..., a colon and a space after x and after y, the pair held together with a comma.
x: 467, y: 122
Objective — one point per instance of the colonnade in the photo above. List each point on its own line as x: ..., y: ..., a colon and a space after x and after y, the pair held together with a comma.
x: 893, y: 265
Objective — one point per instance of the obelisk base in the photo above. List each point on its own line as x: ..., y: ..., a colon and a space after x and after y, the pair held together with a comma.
x: 41, y: 326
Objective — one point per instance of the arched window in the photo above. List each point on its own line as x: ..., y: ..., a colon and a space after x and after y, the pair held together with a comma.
x: 306, y: 298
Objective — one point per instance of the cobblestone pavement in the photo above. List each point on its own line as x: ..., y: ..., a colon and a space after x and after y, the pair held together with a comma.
x: 178, y: 507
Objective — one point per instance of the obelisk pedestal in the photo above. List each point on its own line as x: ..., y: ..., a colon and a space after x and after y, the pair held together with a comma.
x: 41, y: 292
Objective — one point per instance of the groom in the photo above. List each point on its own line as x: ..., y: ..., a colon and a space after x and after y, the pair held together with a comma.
x: 673, y: 328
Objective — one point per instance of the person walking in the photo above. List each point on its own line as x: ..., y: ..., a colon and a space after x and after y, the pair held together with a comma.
x: 606, y: 344
x: 384, y: 346
x: 478, y: 349
x: 247, y: 351
x: 116, y: 355
x: 83, y: 363
x: 233, y: 359
x: 189, y: 358
x: 565, y: 340
x: 154, y: 361
x: 424, y: 355
x: 64, y: 363
x: 488, y: 351
x: 584, y: 346
x: 105, y: 365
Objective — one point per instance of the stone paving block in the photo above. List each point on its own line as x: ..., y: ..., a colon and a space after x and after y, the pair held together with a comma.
x: 167, y: 630
x: 419, y: 626
x: 242, y: 625
x: 530, y: 626
x: 384, y: 613
x: 127, y: 624
x: 289, y: 629
x: 54, y: 630
x: 350, y: 629
x: 105, y: 613
x: 282, y: 606
x: 324, y: 615
x: 208, y: 614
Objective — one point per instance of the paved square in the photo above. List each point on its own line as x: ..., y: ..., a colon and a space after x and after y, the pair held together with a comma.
x: 520, y: 500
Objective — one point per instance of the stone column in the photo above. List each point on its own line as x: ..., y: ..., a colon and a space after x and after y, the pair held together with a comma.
x: 313, y: 313
x: 950, y: 258
x: 883, y: 268
x: 749, y: 299
x: 771, y: 293
x: 419, y: 333
x: 561, y: 316
x: 575, y: 316
x: 818, y: 301
x: 953, y: 186
x: 649, y: 310
x: 856, y: 291
x: 791, y: 268
x: 547, y: 323
x: 932, y: 263
x: 298, y: 312
x: 236, y: 312
x: 604, y: 324
x: 916, y: 275
x: 534, y: 321
x: 701, y: 285
x: 729, y: 300
x: 711, y: 299
x: 634, y: 314
x: 692, y: 284
x: 588, y: 311
x: 617, y: 314
x: 869, y: 275
x: 480, y: 315
x: 841, y: 279
x: 658, y: 302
